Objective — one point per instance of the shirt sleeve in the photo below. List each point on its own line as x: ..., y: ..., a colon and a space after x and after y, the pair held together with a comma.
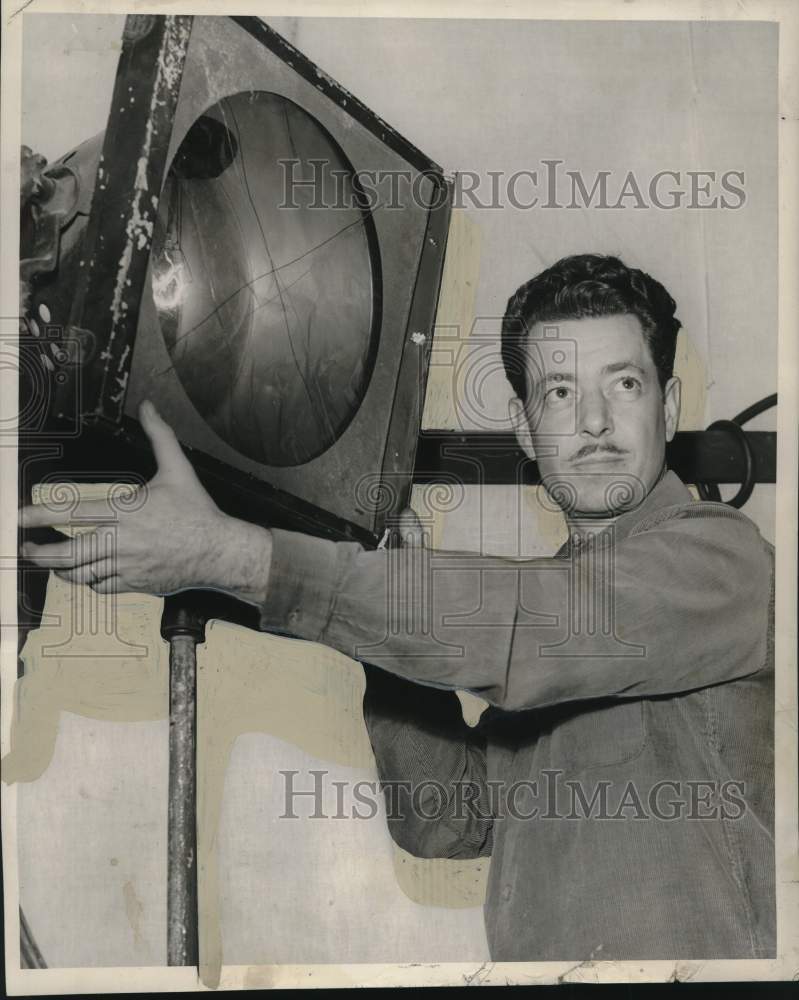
x: 432, y: 768
x: 677, y: 605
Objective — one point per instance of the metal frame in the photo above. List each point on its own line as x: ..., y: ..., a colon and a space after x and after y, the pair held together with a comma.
x: 125, y: 198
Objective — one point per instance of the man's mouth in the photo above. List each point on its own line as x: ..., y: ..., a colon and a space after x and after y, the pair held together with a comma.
x: 599, y: 457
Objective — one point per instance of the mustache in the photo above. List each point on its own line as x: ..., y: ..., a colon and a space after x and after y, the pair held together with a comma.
x: 592, y: 449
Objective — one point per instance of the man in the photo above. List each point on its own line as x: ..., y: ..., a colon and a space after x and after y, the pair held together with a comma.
x: 622, y: 777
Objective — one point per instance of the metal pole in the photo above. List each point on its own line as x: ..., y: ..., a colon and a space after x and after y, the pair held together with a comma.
x: 182, y: 837
x: 184, y: 627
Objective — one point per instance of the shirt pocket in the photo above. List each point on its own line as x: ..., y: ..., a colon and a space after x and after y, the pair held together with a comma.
x: 598, y: 735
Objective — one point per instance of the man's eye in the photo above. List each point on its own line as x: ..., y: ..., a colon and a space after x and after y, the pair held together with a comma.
x: 558, y: 394
x: 629, y: 384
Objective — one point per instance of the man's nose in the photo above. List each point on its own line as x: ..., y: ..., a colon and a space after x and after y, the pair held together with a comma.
x: 594, y: 417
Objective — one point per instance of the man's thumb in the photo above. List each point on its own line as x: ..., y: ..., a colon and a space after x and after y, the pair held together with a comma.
x: 168, y: 453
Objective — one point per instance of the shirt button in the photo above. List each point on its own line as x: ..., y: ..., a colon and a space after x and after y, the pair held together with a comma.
x: 506, y: 892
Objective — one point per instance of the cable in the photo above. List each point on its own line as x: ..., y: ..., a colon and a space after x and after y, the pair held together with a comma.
x: 710, y: 491
x: 756, y: 409
x: 29, y: 954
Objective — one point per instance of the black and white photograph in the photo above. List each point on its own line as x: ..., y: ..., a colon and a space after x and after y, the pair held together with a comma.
x: 399, y: 494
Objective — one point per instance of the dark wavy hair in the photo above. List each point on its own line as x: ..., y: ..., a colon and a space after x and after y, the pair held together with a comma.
x: 589, y: 285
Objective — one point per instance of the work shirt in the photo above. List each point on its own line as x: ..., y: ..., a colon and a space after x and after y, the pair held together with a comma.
x: 622, y: 776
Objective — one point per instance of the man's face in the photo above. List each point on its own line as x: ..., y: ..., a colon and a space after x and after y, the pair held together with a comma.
x: 596, y: 419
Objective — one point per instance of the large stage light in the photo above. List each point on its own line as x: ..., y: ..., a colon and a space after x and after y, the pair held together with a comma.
x: 224, y: 258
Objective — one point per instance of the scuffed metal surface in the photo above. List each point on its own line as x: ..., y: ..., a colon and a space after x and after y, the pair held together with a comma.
x: 141, y: 217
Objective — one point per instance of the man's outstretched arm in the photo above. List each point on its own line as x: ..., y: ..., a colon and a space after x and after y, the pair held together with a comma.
x: 678, y: 606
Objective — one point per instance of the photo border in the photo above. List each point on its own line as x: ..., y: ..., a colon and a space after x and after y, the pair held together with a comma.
x: 152, y: 979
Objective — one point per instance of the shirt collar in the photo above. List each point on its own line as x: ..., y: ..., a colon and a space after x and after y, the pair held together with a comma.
x: 669, y: 491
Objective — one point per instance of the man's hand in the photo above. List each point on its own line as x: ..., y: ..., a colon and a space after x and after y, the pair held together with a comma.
x: 175, y: 539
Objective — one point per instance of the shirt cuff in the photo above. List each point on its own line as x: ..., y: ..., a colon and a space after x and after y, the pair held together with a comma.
x: 301, y: 588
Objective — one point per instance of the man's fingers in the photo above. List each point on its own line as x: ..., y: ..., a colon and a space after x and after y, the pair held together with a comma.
x: 111, y: 585
x: 87, y: 547
x: 53, y: 554
x: 84, y: 548
x: 90, y: 574
x: 40, y: 515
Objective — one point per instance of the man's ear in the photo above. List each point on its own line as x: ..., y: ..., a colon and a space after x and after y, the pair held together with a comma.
x: 521, y: 426
x: 671, y: 406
